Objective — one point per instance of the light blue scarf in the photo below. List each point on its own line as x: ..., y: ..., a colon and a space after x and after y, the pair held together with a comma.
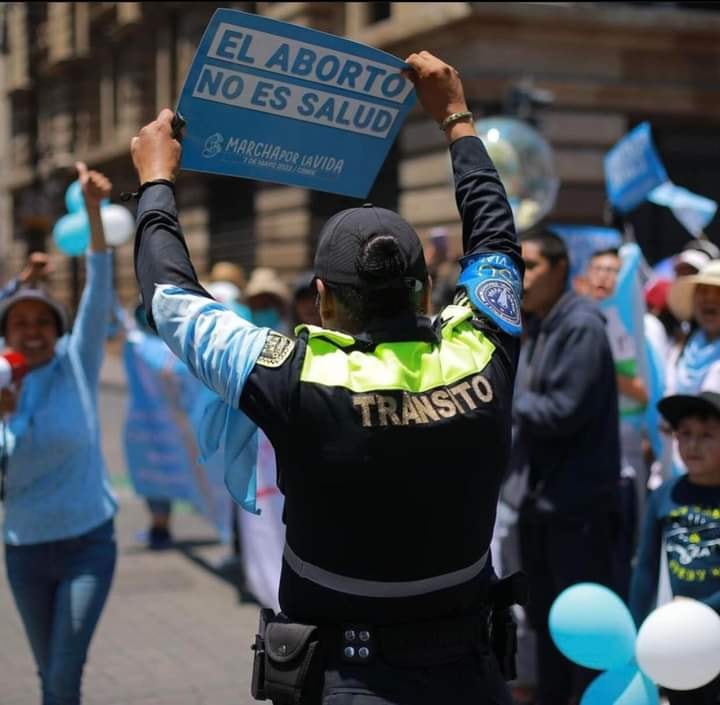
x: 226, y: 436
x: 694, y: 364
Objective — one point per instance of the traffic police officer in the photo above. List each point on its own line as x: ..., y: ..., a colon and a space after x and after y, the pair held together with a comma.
x: 391, y: 432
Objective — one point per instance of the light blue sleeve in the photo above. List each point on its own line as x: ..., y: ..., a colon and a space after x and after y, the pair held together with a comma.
x: 228, y: 439
x: 219, y: 347
x: 87, y: 340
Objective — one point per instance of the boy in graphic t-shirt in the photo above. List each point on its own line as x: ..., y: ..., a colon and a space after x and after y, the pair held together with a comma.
x: 683, y: 514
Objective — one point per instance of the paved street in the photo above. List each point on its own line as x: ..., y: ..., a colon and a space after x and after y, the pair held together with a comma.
x: 174, y: 631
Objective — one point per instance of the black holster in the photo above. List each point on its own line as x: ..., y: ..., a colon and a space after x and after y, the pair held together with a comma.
x: 287, y: 668
x: 505, y: 593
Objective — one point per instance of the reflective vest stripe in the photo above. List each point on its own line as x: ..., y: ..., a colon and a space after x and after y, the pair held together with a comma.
x: 379, y: 588
x: 413, y: 366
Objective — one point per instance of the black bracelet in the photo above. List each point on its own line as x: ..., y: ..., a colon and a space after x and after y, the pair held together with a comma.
x: 126, y: 196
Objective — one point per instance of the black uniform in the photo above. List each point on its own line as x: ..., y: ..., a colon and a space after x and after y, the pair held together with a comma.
x: 391, y: 446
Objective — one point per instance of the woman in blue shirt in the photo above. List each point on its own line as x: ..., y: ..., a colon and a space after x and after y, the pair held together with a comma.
x: 59, y: 536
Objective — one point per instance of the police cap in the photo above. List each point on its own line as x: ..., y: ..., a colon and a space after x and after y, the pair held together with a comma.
x: 342, y: 239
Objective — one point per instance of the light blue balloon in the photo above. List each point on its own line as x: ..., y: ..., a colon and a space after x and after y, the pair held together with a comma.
x: 72, y: 233
x: 592, y: 626
x: 621, y: 686
x: 74, y: 200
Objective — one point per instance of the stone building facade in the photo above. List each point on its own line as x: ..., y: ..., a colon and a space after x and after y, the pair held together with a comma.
x: 79, y: 79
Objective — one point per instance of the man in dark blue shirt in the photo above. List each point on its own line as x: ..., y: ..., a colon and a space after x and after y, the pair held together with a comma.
x: 565, y: 414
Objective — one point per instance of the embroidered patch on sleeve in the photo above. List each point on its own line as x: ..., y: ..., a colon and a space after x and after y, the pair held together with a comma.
x: 277, y: 349
x: 492, y: 284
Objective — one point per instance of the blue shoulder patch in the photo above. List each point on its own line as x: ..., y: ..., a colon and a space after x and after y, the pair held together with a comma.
x: 492, y: 283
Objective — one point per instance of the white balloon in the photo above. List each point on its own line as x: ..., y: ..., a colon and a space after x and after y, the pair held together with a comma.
x: 678, y: 645
x: 118, y: 223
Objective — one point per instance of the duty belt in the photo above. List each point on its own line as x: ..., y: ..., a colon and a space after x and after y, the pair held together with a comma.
x: 380, y: 588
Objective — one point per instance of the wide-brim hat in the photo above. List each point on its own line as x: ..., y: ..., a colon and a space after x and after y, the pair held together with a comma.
x: 264, y: 280
x: 228, y: 272
x: 62, y: 317
x: 680, y: 406
x: 697, y: 259
x: 682, y: 292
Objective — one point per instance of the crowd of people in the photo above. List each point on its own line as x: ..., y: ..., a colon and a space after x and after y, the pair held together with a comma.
x: 587, y: 498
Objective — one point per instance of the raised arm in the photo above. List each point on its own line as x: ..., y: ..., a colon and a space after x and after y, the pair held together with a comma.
x: 35, y: 271
x: 87, y: 339
x: 492, y: 268
x: 218, y: 346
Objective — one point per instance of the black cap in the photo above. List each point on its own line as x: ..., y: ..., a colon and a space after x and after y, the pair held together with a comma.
x: 343, y: 236
x: 680, y: 406
x: 32, y: 294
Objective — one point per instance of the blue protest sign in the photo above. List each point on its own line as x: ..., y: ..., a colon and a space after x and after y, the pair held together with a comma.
x: 583, y: 241
x: 633, y: 169
x: 272, y: 101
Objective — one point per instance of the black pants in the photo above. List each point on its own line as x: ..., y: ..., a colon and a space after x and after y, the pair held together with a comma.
x: 557, y: 552
x: 473, y: 680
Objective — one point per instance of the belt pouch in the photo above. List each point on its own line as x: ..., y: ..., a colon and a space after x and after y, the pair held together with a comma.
x: 293, y: 666
x: 257, y: 683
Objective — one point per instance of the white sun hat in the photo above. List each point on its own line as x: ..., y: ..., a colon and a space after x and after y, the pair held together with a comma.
x: 682, y: 292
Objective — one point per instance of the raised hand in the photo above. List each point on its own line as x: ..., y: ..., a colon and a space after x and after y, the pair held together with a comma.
x: 439, y: 90
x: 37, y: 269
x: 95, y: 186
x: 155, y: 150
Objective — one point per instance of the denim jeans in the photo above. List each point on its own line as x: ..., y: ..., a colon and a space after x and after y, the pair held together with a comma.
x: 60, y: 589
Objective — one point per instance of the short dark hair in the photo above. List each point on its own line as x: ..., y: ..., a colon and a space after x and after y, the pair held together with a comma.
x: 552, y: 246
x: 608, y: 251
x: 379, y: 261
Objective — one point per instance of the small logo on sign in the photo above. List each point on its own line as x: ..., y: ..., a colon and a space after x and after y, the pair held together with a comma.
x: 213, y: 145
x: 500, y: 298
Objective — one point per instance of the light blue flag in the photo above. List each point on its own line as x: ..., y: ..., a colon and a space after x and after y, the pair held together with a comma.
x: 165, y: 404
x: 693, y: 211
x: 656, y: 391
x: 582, y: 241
x: 272, y: 101
x: 633, y: 169
x: 625, y: 313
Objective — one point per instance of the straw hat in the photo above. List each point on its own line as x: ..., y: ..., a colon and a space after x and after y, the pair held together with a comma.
x: 682, y: 292
x: 266, y: 281
x: 228, y: 272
